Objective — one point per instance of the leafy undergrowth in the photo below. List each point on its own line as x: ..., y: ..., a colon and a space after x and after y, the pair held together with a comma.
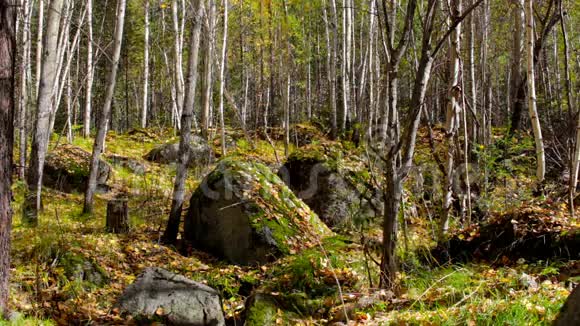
x: 475, y: 295
x: 528, y: 232
x: 70, y: 271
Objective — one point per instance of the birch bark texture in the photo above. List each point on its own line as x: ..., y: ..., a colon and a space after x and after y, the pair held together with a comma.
x: 145, y: 102
x: 452, y: 119
x: 44, y: 107
x: 535, y: 119
x: 89, y: 81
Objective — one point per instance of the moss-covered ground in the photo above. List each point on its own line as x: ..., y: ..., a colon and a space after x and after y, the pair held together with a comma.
x: 45, y: 291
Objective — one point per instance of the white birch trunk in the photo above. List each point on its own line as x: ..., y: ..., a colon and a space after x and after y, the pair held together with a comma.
x: 452, y: 120
x: 44, y: 105
x: 178, y: 55
x: 145, y: 102
x: 535, y: 119
x: 39, y: 38
x: 89, y: 72
x: 25, y: 77
x: 222, y: 77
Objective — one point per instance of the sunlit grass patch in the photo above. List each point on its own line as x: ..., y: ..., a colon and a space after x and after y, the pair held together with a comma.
x: 474, y: 294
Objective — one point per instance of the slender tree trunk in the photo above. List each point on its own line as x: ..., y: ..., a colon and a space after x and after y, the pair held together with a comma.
x: 24, y: 80
x: 170, y: 235
x: 178, y: 55
x: 7, y: 81
x: 222, y: 77
x: 89, y: 72
x: 517, y: 104
x: 333, y: 72
x: 45, y: 96
x: 472, y: 80
x: 145, y: 69
x: 287, y: 116
x: 39, y: 38
x: 571, y: 109
x: 452, y: 120
x: 535, y: 119
x: 99, y: 143
x: 63, y: 48
x: 69, y: 108
x: 330, y: 69
x: 345, y: 63
x: 69, y: 50
x: 208, y: 70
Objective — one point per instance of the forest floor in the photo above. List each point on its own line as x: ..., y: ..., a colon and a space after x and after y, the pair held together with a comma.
x: 48, y: 288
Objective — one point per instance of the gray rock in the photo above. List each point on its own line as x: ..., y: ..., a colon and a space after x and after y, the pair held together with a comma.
x: 200, y: 152
x: 160, y: 294
x: 129, y: 163
x: 335, y: 194
x: 570, y: 312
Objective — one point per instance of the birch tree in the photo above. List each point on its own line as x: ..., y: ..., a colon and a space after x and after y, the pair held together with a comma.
x: 452, y: 119
x: 208, y: 69
x: 7, y: 87
x: 39, y: 38
x: 105, y: 112
x: 399, y: 148
x: 517, y: 104
x: 24, y: 80
x: 535, y: 119
x: 44, y: 106
x: 89, y: 72
x: 170, y: 234
x: 145, y: 69
x: 222, y: 77
x: 177, y: 57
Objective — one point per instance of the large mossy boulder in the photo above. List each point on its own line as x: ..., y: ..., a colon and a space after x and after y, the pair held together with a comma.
x: 67, y: 169
x: 244, y: 213
x: 333, y: 185
x: 199, y: 152
x: 159, y: 295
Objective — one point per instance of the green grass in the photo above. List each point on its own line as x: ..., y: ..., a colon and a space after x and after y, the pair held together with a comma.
x: 473, y: 294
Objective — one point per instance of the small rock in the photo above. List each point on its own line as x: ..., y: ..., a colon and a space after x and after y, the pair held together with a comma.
x: 528, y: 281
x: 126, y: 162
x: 160, y: 294
x: 199, y: 152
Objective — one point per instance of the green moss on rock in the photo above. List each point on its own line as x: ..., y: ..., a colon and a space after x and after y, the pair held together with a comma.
x: 67, y: 169
x: 242, y: 207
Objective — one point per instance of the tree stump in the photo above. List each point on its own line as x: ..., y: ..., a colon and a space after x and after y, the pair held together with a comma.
x: 117, y: 216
